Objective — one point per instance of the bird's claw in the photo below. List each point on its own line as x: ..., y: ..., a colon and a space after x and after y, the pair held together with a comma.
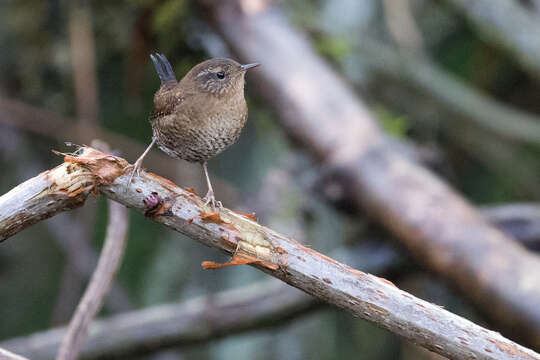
x: 135, y: 170
x: 209, y: 199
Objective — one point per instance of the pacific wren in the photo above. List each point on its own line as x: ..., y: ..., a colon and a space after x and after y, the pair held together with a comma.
x: 200, y: 116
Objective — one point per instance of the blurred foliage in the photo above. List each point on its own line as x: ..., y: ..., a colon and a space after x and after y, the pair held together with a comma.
x: 393, y: 124
x: 161, y: 266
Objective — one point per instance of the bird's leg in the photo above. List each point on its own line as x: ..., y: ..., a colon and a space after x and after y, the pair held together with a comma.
x: 138, y: 164
x: 209, y: 197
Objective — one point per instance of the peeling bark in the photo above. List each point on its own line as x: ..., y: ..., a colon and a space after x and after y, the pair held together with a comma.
x: 62, y: 188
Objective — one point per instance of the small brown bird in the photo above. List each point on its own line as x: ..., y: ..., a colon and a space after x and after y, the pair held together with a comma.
x: 200, y: 116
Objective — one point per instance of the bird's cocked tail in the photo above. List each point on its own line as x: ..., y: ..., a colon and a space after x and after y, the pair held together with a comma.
x: 163, y: 68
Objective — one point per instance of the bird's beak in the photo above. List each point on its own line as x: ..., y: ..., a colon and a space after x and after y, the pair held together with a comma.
x: 249, y: 66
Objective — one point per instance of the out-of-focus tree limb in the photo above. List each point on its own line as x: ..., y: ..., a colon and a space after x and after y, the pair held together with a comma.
x: 506, y: 23
x: 254, y: 307
x: 366, y: 296
x: 100, y: 283
x: 433, y: 221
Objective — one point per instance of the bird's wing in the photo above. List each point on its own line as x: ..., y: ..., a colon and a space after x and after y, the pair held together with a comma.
x: 166, y: 100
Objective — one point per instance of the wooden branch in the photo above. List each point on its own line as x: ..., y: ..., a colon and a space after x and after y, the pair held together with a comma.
x: 507, y: 24
x: 431, y: 219
x: 100, y: 283
x: 145, y: 332
x: 42, y: 197
x: 366, y: 296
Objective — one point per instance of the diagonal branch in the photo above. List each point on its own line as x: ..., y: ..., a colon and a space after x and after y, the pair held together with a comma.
x: 366, y: 296
x: 436, y: 224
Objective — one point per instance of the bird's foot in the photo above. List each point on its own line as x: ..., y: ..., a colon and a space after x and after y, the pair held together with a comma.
x: 209, y: 199
x: 135, y: 170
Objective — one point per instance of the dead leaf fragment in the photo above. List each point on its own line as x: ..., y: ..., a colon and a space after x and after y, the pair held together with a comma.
x: 161, y: 178
x: 214, y: 218
x: 106, y: 168
x: 240, y: 259
x: 191, y: 190
x: 236, y: 260
x: 251, y: 216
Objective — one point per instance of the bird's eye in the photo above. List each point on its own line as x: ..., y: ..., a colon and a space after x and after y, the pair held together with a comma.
x: 220, y: 75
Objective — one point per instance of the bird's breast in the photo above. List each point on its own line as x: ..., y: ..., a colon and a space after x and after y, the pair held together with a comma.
x: 201, y: 133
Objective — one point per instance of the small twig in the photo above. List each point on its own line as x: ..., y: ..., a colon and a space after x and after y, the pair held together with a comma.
x: 100, y: 282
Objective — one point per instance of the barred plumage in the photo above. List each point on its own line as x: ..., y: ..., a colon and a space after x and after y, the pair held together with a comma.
x: 200, y: 116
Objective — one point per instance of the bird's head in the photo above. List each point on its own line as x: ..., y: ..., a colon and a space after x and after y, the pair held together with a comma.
x: 219, y: 77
